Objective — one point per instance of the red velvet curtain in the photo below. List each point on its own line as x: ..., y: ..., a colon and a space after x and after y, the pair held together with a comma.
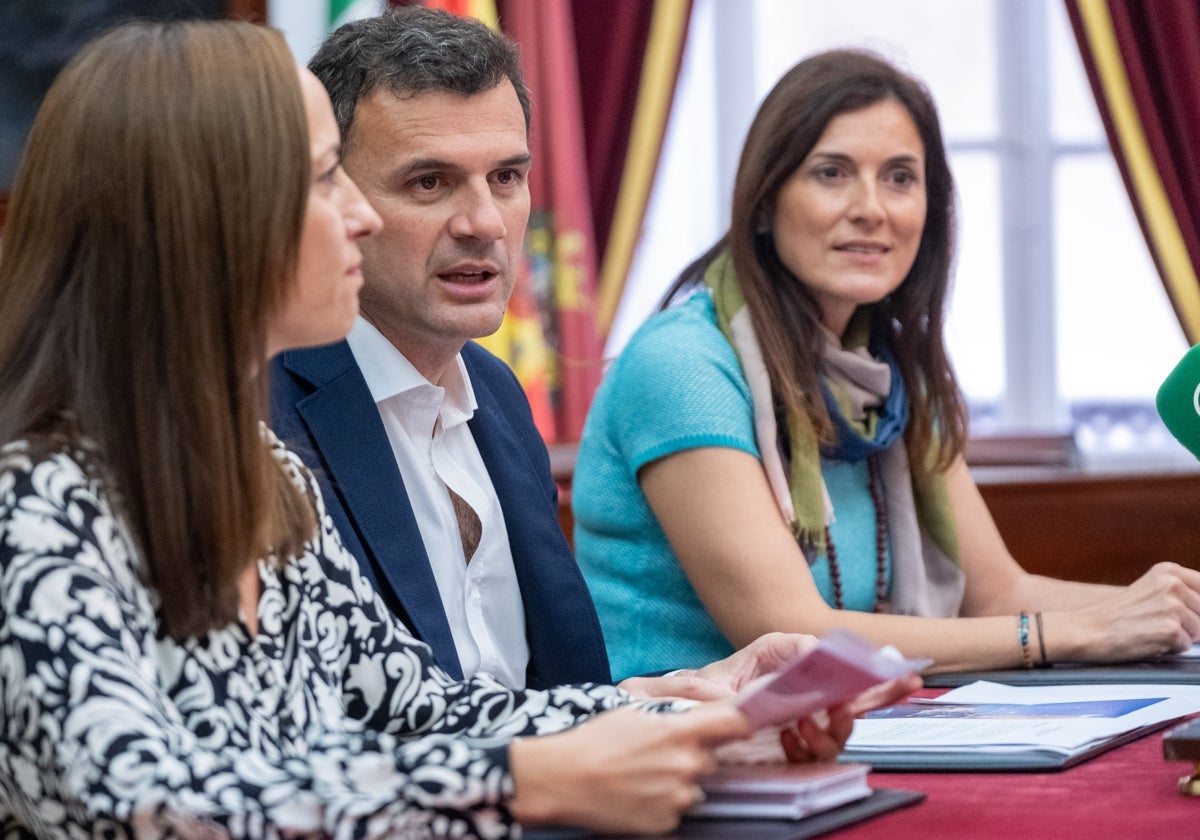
x: 1143, y: 65
x: 611, y: 39
x: 630, y: 52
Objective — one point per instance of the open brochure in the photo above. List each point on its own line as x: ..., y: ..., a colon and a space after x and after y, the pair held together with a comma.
x: 780, y: 791
x: 988, y: 726
x: 840, y: 667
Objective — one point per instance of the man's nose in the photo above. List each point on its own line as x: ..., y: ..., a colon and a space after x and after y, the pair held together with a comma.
x: 478, y: 215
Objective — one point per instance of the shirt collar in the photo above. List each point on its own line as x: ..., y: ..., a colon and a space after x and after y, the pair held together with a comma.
x: 389, y: 373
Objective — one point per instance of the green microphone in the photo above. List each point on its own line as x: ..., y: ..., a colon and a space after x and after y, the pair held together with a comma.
x: 1178, y: 401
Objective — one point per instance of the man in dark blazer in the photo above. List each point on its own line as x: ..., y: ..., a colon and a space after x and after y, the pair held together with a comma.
x: 321, y: 405
x: 423, y: 442
x: 440, y: 149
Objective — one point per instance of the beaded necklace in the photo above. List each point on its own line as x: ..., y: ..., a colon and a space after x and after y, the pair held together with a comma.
x: 875, y: 485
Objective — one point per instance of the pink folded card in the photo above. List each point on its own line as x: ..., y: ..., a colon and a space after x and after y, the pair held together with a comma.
x: 841, y: 666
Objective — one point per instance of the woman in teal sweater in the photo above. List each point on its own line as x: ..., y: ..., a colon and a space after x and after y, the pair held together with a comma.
x: 782, y: 450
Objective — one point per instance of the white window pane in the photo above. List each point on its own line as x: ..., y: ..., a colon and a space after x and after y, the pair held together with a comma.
x: 1117, y: 334
x: 1073, y: 114
x: 974, y: 328
x: 947, y: 43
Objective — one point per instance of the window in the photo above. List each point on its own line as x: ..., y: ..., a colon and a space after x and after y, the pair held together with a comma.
x: 1058, y: 318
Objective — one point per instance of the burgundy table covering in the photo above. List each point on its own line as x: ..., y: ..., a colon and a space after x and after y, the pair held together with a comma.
x: 1129, y: 792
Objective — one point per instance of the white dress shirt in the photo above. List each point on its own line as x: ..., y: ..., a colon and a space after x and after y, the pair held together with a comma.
x: 427, y: 427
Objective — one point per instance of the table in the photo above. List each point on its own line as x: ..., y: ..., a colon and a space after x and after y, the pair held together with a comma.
x: 1129, y: 792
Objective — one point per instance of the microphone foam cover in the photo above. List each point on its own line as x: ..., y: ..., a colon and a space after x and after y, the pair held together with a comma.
x: 1178, y: 401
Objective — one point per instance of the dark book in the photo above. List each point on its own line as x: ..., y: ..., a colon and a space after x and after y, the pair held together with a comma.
x: 880, y: 801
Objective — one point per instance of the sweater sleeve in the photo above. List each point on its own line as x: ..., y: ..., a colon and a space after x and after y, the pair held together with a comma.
x: 677, y: 385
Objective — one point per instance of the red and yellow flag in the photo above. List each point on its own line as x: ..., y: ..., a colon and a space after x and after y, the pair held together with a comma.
x: 560, y: 241
x: 484, y: 10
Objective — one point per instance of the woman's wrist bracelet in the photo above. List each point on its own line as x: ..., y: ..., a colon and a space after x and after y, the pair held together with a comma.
x: 1023, y: 634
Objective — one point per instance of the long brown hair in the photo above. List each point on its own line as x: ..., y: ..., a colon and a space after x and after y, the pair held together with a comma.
x: 154, y: 225
x: 786, y: 318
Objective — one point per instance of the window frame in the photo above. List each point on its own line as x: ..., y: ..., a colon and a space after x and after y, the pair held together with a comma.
x: 1026, y: 155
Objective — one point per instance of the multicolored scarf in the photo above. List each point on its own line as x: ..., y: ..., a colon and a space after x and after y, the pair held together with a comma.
x: 865, y: 394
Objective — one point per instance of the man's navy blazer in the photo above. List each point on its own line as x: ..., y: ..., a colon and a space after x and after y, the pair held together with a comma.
x: 321, y: 406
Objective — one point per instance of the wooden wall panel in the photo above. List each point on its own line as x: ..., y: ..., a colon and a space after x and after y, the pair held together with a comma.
x: 1102, y: 528
x: 1061, y: 521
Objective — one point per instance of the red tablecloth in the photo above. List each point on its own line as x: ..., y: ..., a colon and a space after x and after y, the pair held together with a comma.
x: 1129, y: 792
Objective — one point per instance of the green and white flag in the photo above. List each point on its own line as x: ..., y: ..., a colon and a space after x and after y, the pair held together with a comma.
x: 305, y: 23
x: 344, y: 11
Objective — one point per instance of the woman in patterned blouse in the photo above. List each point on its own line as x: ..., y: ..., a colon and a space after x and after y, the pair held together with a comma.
x: 185, y: 646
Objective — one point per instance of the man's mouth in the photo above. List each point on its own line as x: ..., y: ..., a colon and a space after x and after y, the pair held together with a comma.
x: 467, y: 276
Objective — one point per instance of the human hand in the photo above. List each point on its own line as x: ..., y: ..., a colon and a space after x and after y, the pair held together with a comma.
x: 679, y: 685
x: 623, y: 771
x: 764, y: 655
x: 1158, y: 613
x: 725, y: 677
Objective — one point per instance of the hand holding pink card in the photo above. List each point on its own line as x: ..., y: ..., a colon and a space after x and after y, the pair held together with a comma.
x: 840, y: 667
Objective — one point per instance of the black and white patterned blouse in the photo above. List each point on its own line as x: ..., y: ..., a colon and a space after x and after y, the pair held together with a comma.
x: 333, y: 720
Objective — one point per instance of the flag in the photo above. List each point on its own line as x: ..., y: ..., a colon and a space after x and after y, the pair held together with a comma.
x: 484, y: 10
x: 344, y: 11
x: 561, y: 236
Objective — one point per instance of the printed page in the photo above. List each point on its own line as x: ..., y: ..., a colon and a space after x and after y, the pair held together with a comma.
x: 991, y: 717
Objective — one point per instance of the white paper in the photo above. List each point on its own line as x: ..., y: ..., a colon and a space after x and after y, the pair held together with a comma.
x: 1191, y: 653
x: 991, y: 717
x: 982, y: 691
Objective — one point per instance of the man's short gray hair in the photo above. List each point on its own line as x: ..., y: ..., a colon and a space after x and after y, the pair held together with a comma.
x: 411, y: 50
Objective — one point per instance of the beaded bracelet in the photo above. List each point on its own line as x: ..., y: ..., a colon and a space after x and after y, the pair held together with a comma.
x: 1041, y: 639
x: 1023, y: 631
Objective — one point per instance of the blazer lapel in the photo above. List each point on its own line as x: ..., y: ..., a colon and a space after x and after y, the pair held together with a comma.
x: 344, y: 423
